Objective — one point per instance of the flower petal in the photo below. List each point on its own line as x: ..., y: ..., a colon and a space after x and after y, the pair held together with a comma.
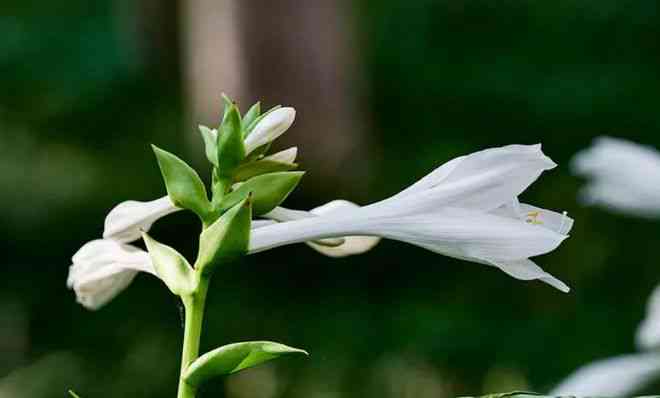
x: 618, y: 376
x: 125, y: 222
x: 333, y: 247
x: 269, y: 128
x: 527, y: 270
x: 102, y: 268
x: 484, y: 180
x: 648, y: 333
x: 286, y: 156
x: 454, y: 232
x: 558, y: 222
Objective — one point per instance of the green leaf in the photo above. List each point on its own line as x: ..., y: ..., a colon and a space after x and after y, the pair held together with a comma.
x: 210, y: 138
x: 252, y: 114
x: 269, y: 190
x: 231, y: 150
x: 233, y: 358
x: 227, y: 238
x: 228, y: 102
x: 183, y: 184
x: 253, y: 124
x: 170, y: 266
x: 251, y: 169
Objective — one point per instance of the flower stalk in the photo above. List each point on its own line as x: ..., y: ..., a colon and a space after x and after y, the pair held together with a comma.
x: 194, y: 306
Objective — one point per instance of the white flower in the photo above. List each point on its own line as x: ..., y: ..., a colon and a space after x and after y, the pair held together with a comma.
x: 623, y: 176
x: 619, y: 376
x: 103, y: 268
x: 125, y: 221
x: 648, y: 333
x: 341, y: 247
x: 465, y: 209
x: 269, y: 128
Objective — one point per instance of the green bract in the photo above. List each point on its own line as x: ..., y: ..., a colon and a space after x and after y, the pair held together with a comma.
x: 225, y: 239
x: 269, y: 191
x: 183, y: 184
x: 171, y: 267
x: 233, y: 358
x: 252, y: 169
x: 231, y: 150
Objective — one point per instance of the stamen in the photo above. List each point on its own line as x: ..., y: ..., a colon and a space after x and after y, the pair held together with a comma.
x: 532, y: 218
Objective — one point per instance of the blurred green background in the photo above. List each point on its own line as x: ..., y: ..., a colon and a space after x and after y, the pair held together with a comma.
x: 386, y: 91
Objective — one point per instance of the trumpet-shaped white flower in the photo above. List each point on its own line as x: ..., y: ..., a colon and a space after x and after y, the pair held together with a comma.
x: 623, y: 176
x: 269, y: 128
x: 125, y: 221
x: 465, y: 209
x: 619, y: 376
x: 103, y: 268
x: 648, y: 333
x: 345, y: 246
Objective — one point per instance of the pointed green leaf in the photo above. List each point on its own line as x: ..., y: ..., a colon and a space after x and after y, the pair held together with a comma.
x: 227, y: 238
x: 231, y: 150
x: 268, y: 190
x: 251, y: 169
x: 183, y: 184
x: 252, y: 114
x: 233, y: 358
x: 210, y: 138
x: 249, y: 127
x: 170, y: 266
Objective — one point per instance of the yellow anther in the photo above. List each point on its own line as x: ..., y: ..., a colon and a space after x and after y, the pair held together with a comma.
x: 533, y: 217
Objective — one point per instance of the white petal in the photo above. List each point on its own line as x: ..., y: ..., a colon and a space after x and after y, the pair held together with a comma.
x: 269, y: 128
x: 648, y: 333
x: 285, y: 156
x: 558, y: 222
x: 454, y: 232
x: 527, y: 270
x: 618, y: 376
x: 334, y: 247
x: 127, y: 219
x: 484, y: 180
x: 103, y: 268
x: 623, y: 176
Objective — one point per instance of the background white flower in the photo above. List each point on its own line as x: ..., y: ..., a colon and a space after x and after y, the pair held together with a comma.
x: 621, y: 175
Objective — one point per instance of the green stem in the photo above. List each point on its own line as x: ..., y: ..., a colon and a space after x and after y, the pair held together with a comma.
x: 194, y: 313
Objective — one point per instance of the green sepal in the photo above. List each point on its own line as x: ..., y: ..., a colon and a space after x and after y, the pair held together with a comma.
x: 259, y: 167
x: 250, y: 126
x: 183, y: 184
x: 171, y: 267
x: 226, y: 239
x: 231, y: 149
x: 235, y: 357
x: 210, y: 138
x: 269, y: 190
x: 252, y: 114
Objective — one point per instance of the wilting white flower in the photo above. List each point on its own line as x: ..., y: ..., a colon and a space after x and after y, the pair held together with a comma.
x: 103, y: 268
x: 345, y: 246
x: 648, y: 333
x: 269, y: 128
x: 125, y: 221
x: 615, y: 377
x: 622, y: 176
x: 467, y: 209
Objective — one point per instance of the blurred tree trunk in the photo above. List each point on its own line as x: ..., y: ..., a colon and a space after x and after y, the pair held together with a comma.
x: 286, y: 52
x: 303, y: 54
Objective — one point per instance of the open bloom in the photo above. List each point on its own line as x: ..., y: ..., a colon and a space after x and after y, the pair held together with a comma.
x: 622, y: 176
x: 467, y: 209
